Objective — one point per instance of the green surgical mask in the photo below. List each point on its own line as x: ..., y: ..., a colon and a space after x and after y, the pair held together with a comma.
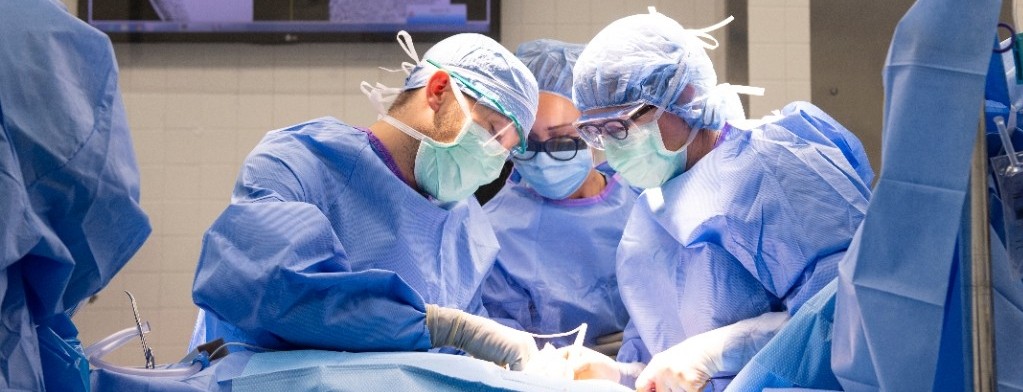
x: 642, y: 158
x: 453, y: 171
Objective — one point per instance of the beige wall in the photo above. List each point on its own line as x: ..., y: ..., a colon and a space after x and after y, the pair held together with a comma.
x: 779, y: 53
x: 196, y: 110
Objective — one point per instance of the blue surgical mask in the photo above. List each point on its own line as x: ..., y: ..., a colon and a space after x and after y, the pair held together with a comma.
x: 642, y: 158
x: 552, y: 178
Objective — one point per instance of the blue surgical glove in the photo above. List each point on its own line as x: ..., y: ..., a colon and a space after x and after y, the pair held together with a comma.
x: 480, y: 337
x: 689, y: 365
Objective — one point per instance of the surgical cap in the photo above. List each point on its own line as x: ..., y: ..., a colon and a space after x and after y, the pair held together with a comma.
x: 490, y: 68
x: 551, y: 62
x: 646, y: 58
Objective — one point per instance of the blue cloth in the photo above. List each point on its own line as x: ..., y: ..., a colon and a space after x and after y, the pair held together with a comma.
x: 490, y: 67
x: 757, y: 225
x: 890, y: 309
x: 309, y: 370
x: 556, y: 267
x: 324, y: 246
x: 69, y: 189
x: 551, y: 62
x: 800, y: 354
x: 385, y: 372
x: 647, y: 58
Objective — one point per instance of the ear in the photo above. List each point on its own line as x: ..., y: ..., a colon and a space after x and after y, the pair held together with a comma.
x: 435, y: 88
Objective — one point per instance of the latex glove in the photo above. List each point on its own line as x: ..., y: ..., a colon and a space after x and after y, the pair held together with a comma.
x: 480, y: 337
x: 609, y: 344
x: 588, y: 364
x: 689, y: 365
x: 549, y: 363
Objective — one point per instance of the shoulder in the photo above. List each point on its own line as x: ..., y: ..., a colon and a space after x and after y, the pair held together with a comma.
x: 322, y: 136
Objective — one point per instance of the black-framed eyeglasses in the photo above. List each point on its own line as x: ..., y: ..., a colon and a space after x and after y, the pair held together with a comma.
x: 561, y: 148
x: 615, y: 125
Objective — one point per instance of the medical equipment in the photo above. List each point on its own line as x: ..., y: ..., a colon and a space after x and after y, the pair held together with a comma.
x: 1008, y: 171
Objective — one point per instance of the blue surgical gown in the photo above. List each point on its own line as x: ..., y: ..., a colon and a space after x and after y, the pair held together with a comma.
x: 69, y: 189
x: 324, y: 246
x: 757, y: 225
x: 556, y: 267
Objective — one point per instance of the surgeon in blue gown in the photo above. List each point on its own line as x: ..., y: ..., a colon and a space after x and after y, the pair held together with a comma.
x: 558, y: 220
x: 741, y: 221
x: 69, y: 189
x: 366, y: 239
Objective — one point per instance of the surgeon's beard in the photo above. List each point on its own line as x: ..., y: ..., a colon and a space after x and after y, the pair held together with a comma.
x: 447, y: 122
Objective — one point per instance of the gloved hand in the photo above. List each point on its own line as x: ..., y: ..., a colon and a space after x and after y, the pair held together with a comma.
x: 480, y: 337
x: 689, y: 365
x: 588, y: 364
x: 609, y: 344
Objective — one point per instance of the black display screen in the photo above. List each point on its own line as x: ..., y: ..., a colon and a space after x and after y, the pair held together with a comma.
x: 289, y: 20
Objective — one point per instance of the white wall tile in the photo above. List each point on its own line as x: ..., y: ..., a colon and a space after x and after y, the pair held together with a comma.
x: 219, y: 111
x: 183, y: 110
x: 539, y: 12
x: 797, y: 61
x: 145, y: 110
x: 779, y: 53
x: 181, y: 147
x: 217, y: 181
x: 767, y: 24
x: 184, y: 220
x: 797, y: 25
x: 150, y: 146
x: 767, y: 62
x: 255, y: 111
x: 181, y: 252
x: 176, y: 290
x: 217, y: 146
x: 290, y: 109
x: 798, y: 91
x: 327, y: 79
x: 183, y: 181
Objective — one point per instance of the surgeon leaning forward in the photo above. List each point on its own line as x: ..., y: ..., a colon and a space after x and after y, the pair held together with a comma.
x: 366, y: 239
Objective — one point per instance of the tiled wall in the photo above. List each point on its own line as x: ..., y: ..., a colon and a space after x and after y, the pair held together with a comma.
x: 779, y: 53
x: 196, y: 110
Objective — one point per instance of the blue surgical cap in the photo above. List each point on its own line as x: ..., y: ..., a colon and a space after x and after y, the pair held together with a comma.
x: 551, y: 62
x: 646, y: 58
x: 490, y: 68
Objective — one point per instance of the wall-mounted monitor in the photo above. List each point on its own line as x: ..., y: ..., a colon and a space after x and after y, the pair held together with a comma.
x: 280, y: 21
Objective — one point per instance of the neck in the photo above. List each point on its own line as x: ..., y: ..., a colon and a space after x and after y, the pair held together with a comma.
x: 593, y: 186
x: 701, y: 146
x: 402, y: 148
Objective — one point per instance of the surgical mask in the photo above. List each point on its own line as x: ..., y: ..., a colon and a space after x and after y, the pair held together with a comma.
x: 552, y: 178
x: 449, y: 171
x: 642, y: 158
x: 453, y: 171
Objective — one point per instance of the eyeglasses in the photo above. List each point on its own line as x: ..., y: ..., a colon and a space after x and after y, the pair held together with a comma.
x: 500, y: 127
x: 616, y: 125
x: 561, y: 148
